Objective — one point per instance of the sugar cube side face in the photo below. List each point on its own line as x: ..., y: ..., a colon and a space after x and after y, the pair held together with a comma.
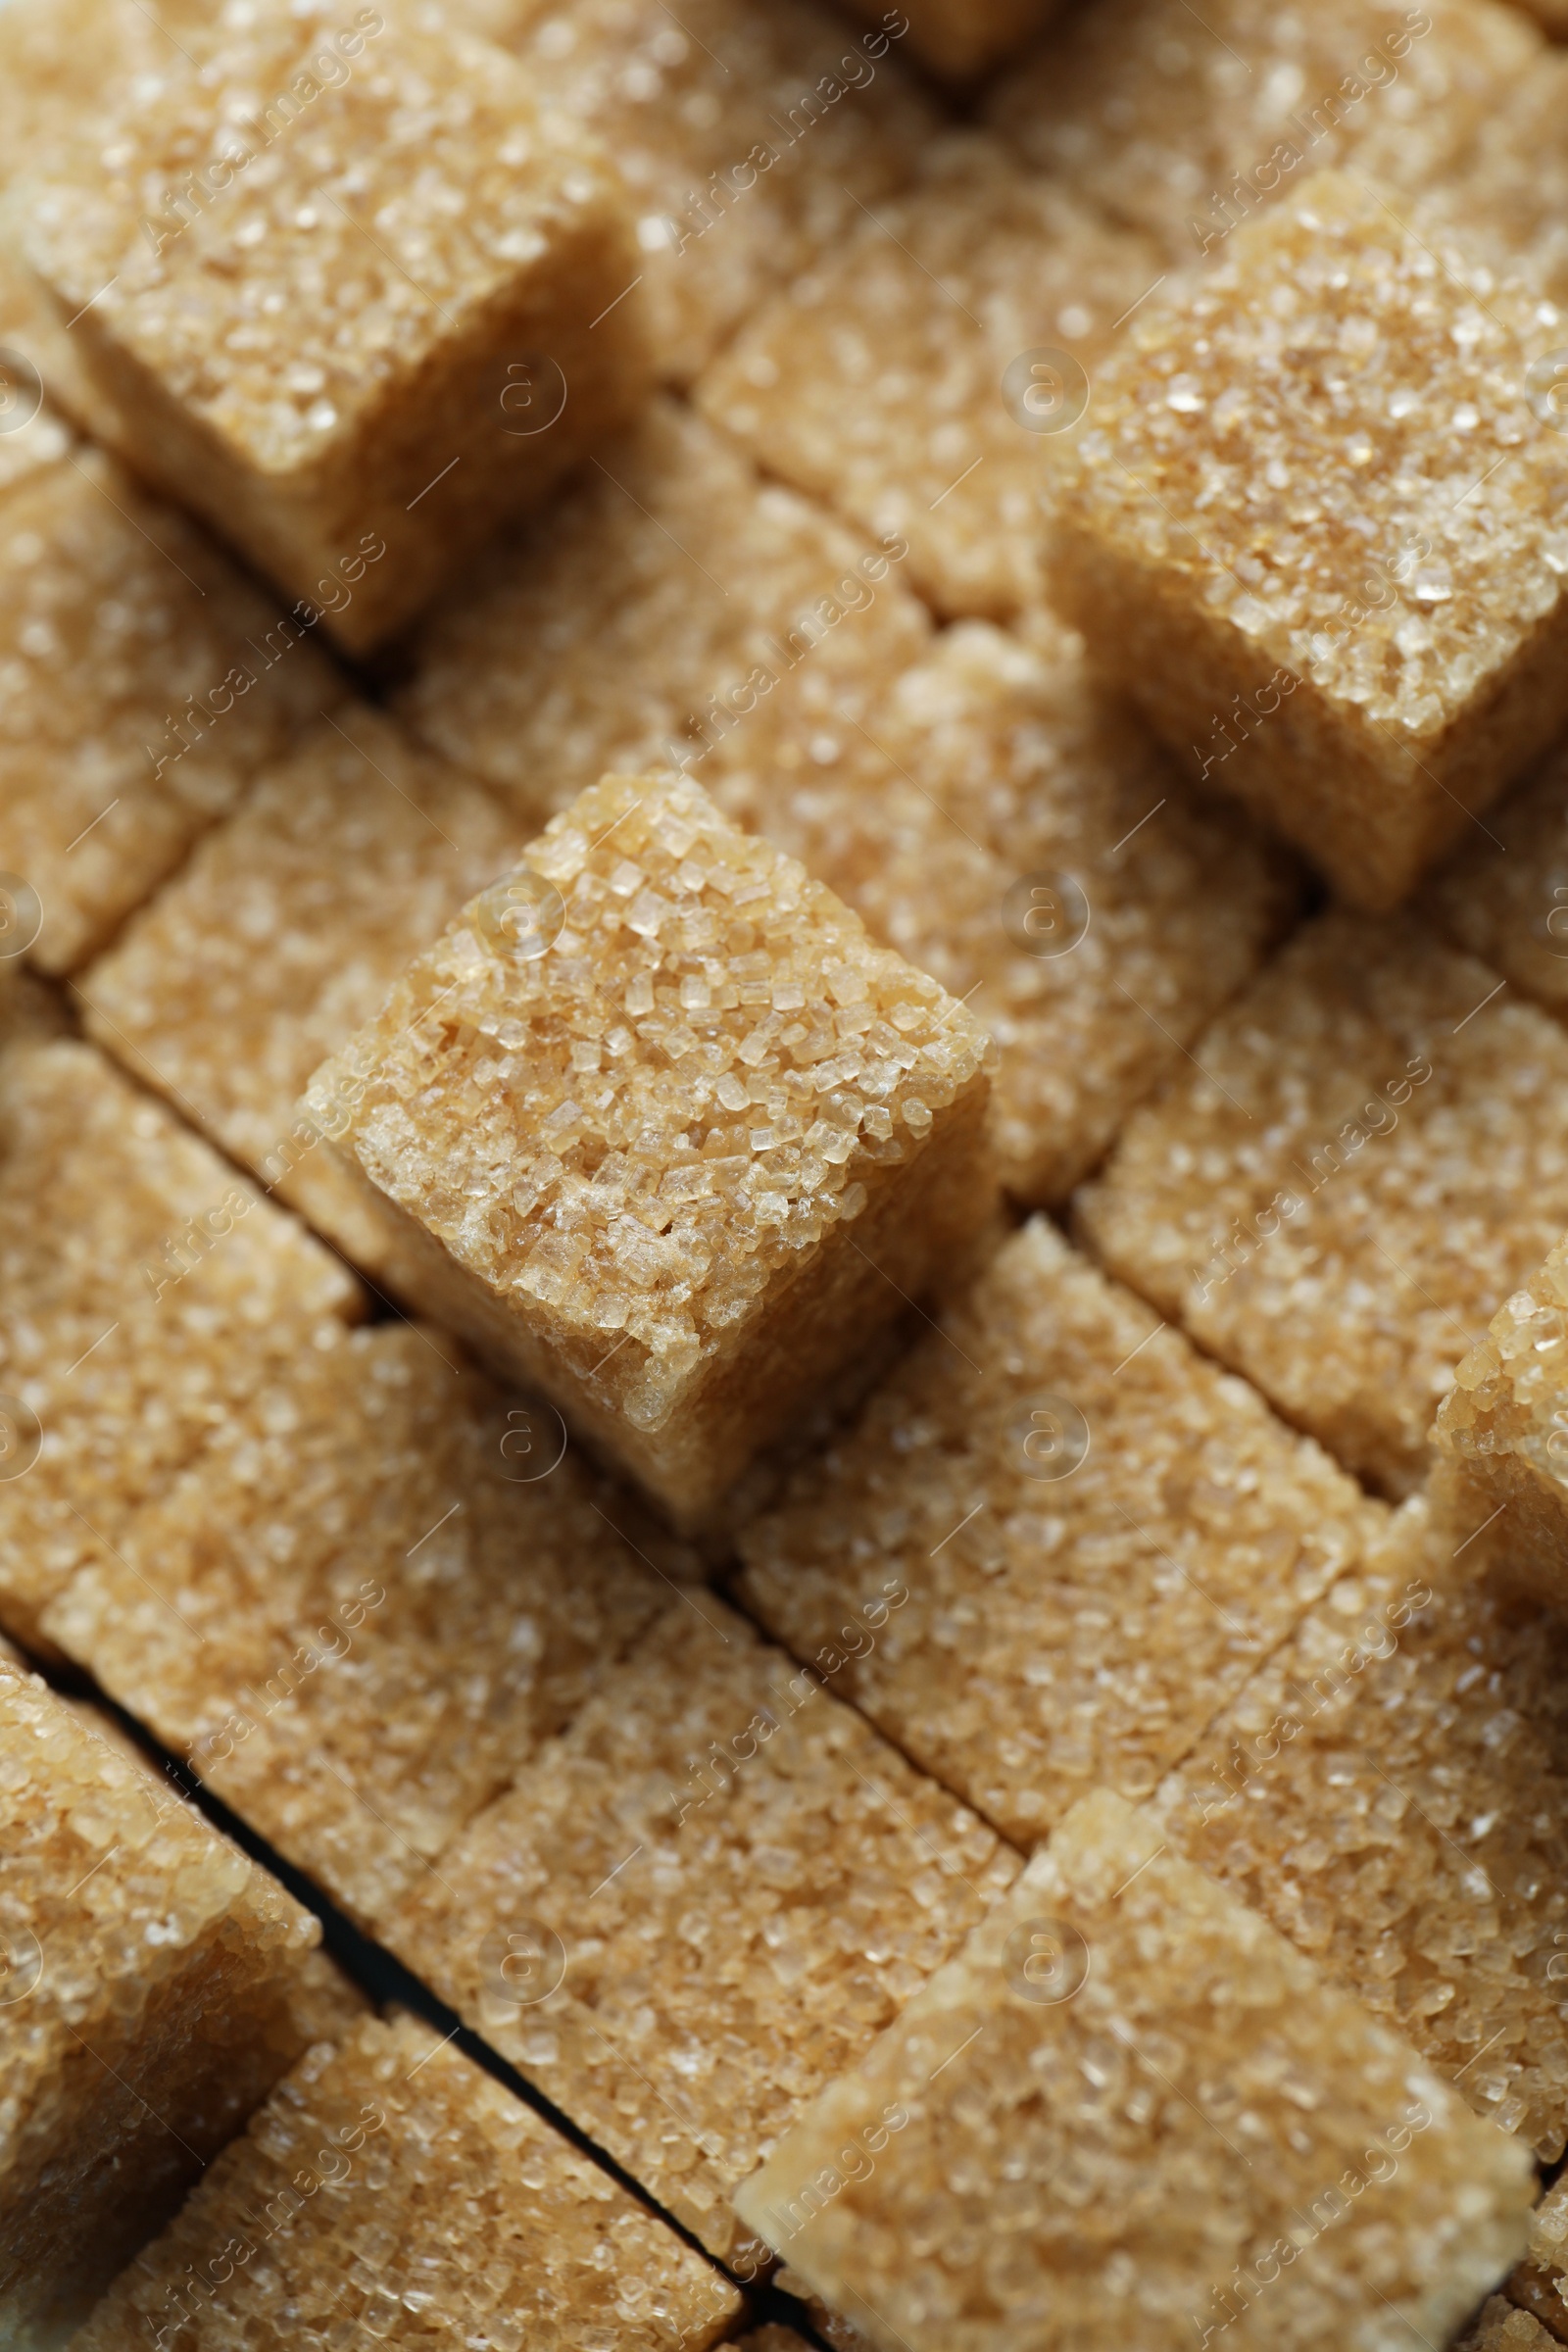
x: 1190, y: 128
x: 281, y: 935
x: 149, y: 1973
x: 1361, y: 1165
x: 1189, y: 2126
x: 1505, y: 899
x: 1054, y: 1545
x: 748, y: 139
x: 351, y: 294
x: 1503, y: 2326
x: 1315, y: 531
x: 927, y: 375
x: 147, y: 1287
x: 388, y: 2181
x: 143, y: 681
x: 698, y: 1904
x: 380, y: 1588
x: 1390, y: 1792
x: 670, y: 609
x: 672, y: 1133
x: 1502, y: 1429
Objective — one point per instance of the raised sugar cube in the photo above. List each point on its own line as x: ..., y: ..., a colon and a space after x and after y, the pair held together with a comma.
x: 350, y: 292
x: 144, y: 1288
x: 1503, y: 1430
x: 148, y: 1975
x: 392, y: 2189
x: 671, y: 1135
x: 1139, y: 2113
x: 670, y: 609
x: 698, y: 1905
x: 1390, y: 1791
x: 1316, y: 532
x: 1022, y: 839
x: 366, y: 1604
x: 1092, y: 1535
x: 283, y: 934
x: 1186, y: 123
x: 748, y: 138
x: 1505, y: 897
x: 1368, y: 1153
x: 962, y: 39
x: 142, y: 682
x: 915, y: 376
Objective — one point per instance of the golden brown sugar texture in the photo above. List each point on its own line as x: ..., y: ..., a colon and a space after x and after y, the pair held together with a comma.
x: 748, y: 138
x: 1535, y: 2286
x: 315, y: 340
x: 283, y: 933
x: 699, y: 1904
x: 35, y: 435
x: 1507, y: 194
x: 1057, y: 1543
x: 142, y: 683
x: 1185, y: 125
x: 1392, y: 1792
x: 148, y: 1973
x: 1129, y: 2110
x: 1369, y: 1153
x: 1316, y: 531
x: 1503, y: 1430
x: 879, y: 381
x: 669, y: 603
x: 392, y: 2189
x: 624, y: 1103
x: 146, y: 1287
x: 1503, y: 2326
x: 364, y: 1607
x: 1503, y: 896
x: 1025, y: 841
x: 962, y: 39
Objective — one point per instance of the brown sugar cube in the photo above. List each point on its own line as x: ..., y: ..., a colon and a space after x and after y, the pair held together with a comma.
x: 142, y: 683
x: 672, y: 609
x: 748, y: 137
x: 377, y: 1590
x: 148, y: 1971
x: 1503, y: 2326
x: 960, y: 39
x: 1390, y: 1791
x: 1507, y: 193
x: 1139, y: 2113
x: 1368, y: 1155
x: 144, y: 1288
x: 390, y: 2191
x: 910, y: 377
x: 283, y: 934
x: 1535, y: 2286
x: 1187, y: 124
x: 1022, y: 839
x: 671, y: 1136
x: 350, y: 293
x: 32, y: 436
x: 1503, y: 1430
x: 1505, y: 897
x: 1317, y: 533
x: 699, y: 1904
x: 1057, y: 1543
